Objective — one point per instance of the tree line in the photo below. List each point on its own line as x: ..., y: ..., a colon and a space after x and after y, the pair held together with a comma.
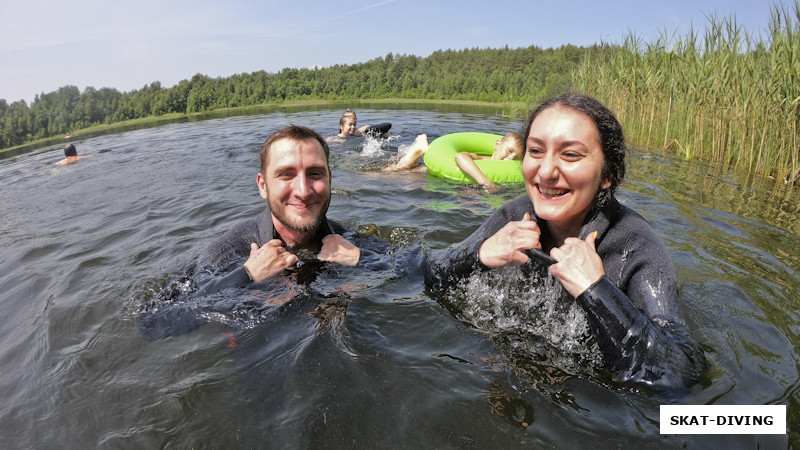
x: 490, y: 75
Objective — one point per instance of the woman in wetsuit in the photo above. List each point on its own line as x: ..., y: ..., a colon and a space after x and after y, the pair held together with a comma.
x: 604, y: 254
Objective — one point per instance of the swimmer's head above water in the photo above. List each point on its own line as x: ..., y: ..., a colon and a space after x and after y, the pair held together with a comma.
x: 509, y: 147
x: 70, y: 150
x: 70, y: 155
x: 347, y: 124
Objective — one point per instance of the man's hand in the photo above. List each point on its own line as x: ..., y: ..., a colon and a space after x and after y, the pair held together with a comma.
x: 268, y: 260
x: 337, y: 249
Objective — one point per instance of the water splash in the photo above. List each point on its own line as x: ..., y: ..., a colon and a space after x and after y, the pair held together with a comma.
x: 529, y: 316
x: 374, y: 145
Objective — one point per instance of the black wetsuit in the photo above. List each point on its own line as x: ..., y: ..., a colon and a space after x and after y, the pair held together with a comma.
x: 632, y: 310
x: 227, y: 255
x: 188, y: 301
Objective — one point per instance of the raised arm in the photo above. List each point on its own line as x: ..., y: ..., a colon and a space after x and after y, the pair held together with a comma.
x: 638, y: 347
x: 634, y: 317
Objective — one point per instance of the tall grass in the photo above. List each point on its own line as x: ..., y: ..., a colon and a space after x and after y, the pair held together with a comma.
x: 728, y: 96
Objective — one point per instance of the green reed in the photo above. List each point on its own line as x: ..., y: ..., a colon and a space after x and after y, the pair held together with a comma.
x: 727, y: 96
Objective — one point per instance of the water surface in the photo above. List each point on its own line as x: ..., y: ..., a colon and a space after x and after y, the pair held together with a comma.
x: 357, y: 359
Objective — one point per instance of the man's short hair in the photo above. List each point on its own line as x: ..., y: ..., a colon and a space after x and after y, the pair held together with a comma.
x: 295, y: 133
x: 70, y: 150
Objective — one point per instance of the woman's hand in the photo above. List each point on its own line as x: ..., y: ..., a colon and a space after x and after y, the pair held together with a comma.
x: 507, y: 244
x: 578, y: 265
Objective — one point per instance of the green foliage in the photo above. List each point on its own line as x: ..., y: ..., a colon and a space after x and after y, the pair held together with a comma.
x: 524, y: 75
x: 726, y: 96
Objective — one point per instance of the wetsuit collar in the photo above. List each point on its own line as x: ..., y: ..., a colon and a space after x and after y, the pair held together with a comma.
x: 267, y: 231
x: 599, y: 220
x: 602, y: 220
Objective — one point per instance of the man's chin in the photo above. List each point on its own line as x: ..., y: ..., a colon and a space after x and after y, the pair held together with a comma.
x: 303, y: 224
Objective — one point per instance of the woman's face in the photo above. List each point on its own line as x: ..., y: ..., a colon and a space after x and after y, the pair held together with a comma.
x: 562, y: 166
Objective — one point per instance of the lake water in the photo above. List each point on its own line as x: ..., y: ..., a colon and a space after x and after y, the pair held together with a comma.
x: 356, y: 359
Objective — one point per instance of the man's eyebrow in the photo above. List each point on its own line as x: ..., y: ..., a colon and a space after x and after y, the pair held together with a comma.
x: 322, y: 167
x: 283, y: 168
x: 291, y: 168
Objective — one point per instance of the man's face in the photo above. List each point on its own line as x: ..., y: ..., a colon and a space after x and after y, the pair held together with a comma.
x: 296, y: 184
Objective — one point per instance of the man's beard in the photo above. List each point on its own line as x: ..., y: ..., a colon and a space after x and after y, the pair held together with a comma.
x: 295, y: 223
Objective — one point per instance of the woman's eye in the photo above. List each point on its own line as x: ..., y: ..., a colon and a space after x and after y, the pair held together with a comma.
x: 571, y: 156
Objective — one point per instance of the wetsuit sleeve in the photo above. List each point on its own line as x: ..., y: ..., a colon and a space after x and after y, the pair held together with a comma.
x: 375, y: 255
x: 636, y: 347
x: 221, y: 264
x: 444, y: 267
x: 237, y: 277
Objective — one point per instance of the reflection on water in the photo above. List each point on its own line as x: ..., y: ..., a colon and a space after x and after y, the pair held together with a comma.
x: 358, y: 359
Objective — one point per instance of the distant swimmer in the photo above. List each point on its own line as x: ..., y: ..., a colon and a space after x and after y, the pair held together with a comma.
x: 348, y: 127
x: 70, y: 155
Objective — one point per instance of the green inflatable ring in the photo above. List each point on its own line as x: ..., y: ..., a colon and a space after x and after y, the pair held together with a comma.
x: 440, y: 159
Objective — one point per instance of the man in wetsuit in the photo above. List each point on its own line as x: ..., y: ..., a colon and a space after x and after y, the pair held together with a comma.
x: 295, y: 180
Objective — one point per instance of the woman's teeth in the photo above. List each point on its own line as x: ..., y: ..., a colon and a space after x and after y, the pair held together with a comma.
x: 553, y: 192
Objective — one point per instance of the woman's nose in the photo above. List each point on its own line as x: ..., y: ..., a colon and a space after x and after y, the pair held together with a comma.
x: 548, y: 168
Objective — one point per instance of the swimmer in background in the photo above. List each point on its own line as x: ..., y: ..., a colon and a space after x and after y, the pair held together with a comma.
x: 347, y: 127
x: 70, y: 155
x: 509, y: 147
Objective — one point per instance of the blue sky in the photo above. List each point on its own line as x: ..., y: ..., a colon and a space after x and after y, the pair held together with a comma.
x: 46, y: 44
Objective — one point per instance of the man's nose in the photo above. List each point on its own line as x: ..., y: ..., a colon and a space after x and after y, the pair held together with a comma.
x: 301, y: 186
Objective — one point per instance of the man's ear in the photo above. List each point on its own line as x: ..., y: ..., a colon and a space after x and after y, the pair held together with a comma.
x: 262, y: 186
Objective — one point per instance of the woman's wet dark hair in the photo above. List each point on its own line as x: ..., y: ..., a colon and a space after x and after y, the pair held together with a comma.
x: 612, y: 139
x: 70, y: 150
